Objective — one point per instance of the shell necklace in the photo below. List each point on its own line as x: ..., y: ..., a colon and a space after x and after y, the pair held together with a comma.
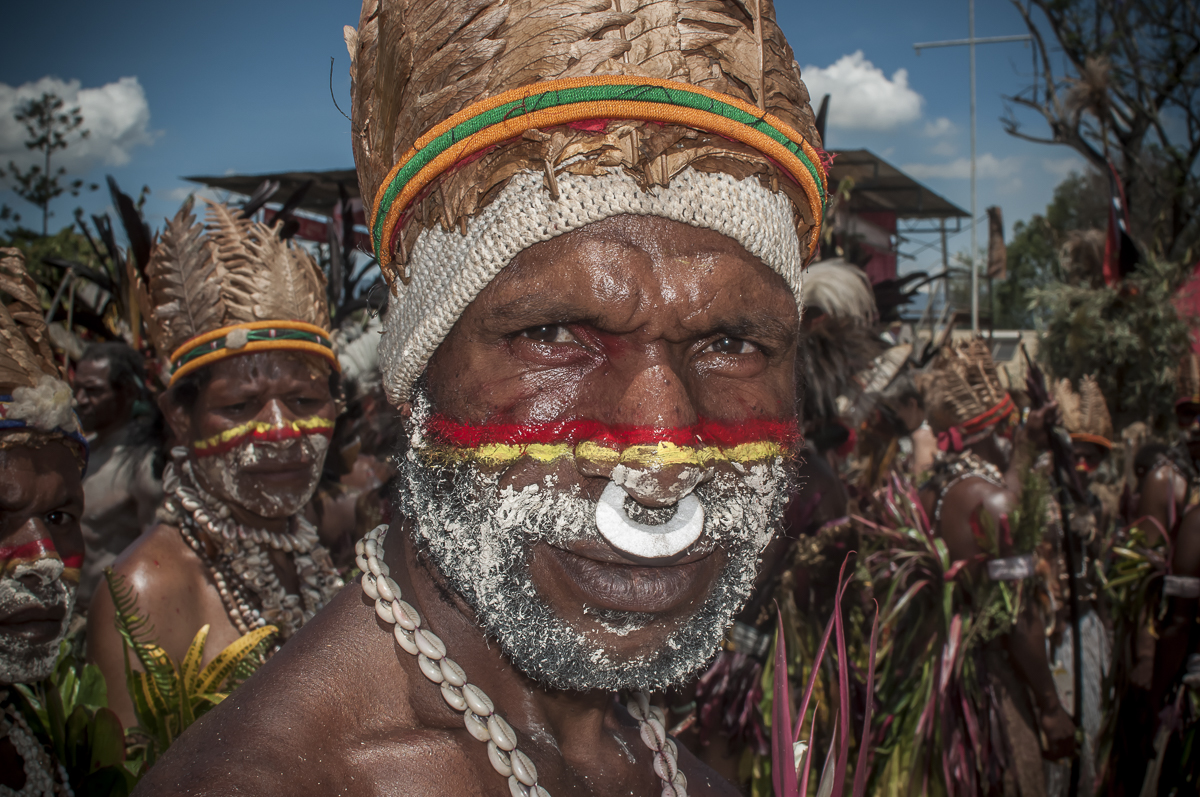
x: 479, y: 714
x: 39, y: 775
x: 242, y: 569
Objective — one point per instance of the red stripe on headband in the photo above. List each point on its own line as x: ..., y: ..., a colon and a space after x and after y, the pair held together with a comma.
x: 707, y: 432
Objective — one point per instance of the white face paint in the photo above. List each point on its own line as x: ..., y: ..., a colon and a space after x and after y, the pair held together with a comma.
x: 225, y: 475
x: 479, y: 536
x: 36, y: 587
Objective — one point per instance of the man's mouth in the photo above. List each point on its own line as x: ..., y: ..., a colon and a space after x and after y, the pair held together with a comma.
x: 604, y: 579
x: 35, y: 624
x: 277, y: 470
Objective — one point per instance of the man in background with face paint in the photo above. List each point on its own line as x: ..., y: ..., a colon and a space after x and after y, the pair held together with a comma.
x: 241, y: 315
x: 593, y: 223
x: 42, y: 459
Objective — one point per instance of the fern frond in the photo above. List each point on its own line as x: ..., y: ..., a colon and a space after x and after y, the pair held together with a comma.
x: 137, y: 635
x: 221, y: 669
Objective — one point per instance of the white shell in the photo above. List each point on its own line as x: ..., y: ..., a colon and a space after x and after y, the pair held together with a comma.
x: 430, y: 644
x: 407, y: 618
x: 361, y: 562
x: 429, y: 668
x: 368, y: 585
x: 389, y: 590
x: 453, y: 697
x: 644, y: 541
x: 476, y: 727
x: 453, y: 674
x: 665, y: 767
x: 515, y: 789
x: 653, y: 734
x: 480, y: 703
x: 523, y: 768
x: 502, y: 733
x: 500, y: 760
x: 404, y: 639
x: 384, y: 610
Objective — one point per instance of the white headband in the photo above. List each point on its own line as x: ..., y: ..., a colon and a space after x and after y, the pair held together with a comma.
x: 449, y: 269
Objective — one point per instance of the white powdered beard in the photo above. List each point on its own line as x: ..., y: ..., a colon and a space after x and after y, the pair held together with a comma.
x: 221, y: 474
x: 21, y: 661
x: 479, y: 535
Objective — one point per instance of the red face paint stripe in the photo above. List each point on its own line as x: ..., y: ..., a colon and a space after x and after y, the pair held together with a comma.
x: 271, y: 435
x: 75, y: 561
x: 706, y: 432
x: 30, y: 550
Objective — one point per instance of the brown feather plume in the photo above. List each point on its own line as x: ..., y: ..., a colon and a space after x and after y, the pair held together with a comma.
x: 229, y: 270
x: 963, y: 384
x: 25, y: 353
x: 416, y: 63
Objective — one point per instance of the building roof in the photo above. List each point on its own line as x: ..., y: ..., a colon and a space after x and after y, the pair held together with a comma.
x: 320, y: 198
x: 880, y: 187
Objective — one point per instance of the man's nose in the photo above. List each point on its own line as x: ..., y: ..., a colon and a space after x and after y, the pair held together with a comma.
x: 274, y: 412
x: 30, y: 555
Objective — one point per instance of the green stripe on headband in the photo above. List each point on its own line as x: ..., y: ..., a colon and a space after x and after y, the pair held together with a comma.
x: 684, y: 97
x: 253, y: 336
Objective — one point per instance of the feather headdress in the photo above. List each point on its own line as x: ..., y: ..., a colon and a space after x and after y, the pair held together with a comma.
x: 964, y: 395
x: 230, y: 286
x: 35, y: 400
x: 507, y: 122
x: 1084, y: 414
x: 840, y: 290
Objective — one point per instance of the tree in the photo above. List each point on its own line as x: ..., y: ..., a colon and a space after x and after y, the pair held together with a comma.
x: 1127, y: 93
x: 50, y: 129
x: 1077, y: 213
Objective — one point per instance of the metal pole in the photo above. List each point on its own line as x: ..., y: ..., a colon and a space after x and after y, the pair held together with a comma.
x: 974, y: 257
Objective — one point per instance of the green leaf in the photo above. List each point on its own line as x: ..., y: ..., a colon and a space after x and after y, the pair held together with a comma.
x: 93, y: 691
x: 107, y: 736
x: 77, y: 739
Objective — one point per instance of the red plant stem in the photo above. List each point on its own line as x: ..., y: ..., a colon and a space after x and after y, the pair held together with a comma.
x: 839, y: 772
x: 864, y: 747
x: 812, y: 678
x: 783, y: 771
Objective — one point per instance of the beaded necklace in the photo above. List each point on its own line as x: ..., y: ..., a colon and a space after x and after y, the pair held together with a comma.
x: 479, y: 714
x: 40, y: 780
x: 242, y: 569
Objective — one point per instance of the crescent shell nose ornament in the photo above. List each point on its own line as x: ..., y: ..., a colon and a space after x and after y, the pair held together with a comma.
x: 642, y: 540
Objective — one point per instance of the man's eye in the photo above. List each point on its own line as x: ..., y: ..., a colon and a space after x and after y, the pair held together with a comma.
x: 59, y: 518
x: 550, y: 333
x: 731, y: 346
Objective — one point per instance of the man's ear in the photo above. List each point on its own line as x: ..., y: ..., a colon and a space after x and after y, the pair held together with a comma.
x: 177, y: 418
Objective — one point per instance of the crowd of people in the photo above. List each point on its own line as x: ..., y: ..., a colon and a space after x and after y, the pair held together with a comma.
x: 568, y: 514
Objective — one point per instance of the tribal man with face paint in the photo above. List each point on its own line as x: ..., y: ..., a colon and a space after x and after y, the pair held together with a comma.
x: 42, y: 458
x: 251, y: 407
x: 594, y: 223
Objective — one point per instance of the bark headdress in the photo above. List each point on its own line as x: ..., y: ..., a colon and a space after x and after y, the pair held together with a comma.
x: 965, y: 398
x: 483, y: 127
x: 231, y: 286
x: 1085, y: 414
x: 35, y: 400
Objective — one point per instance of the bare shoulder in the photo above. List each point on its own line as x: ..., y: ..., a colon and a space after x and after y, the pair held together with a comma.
x: 960, y: 505
x: 327, y: 714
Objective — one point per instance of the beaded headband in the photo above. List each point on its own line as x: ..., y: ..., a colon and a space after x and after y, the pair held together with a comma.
x: 572, y: 100
x: 238, y: 339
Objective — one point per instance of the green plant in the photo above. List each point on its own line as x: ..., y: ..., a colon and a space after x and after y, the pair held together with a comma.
x: 168, y: 697
x: 1130, y: 336
x: 69, y: 711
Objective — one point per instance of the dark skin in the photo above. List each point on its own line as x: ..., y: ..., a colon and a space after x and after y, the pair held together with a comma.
x: 174, y: 588
x: 1163, y: 491
x: 103, y: 408
x: 1176, y: 634
x: 1026, y: 642
x: 633, y: 320
x: 41, y: 497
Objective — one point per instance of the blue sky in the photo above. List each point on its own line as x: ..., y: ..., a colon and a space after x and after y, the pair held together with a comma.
x: 177, y: 89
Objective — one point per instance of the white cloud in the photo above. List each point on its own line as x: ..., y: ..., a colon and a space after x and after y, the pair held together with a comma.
x: 116, y: 115
x: 861, y: 95
x: 1061, y: 167
x: 940, y: 127
x: 986, y: 166
x: 944, y: 149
